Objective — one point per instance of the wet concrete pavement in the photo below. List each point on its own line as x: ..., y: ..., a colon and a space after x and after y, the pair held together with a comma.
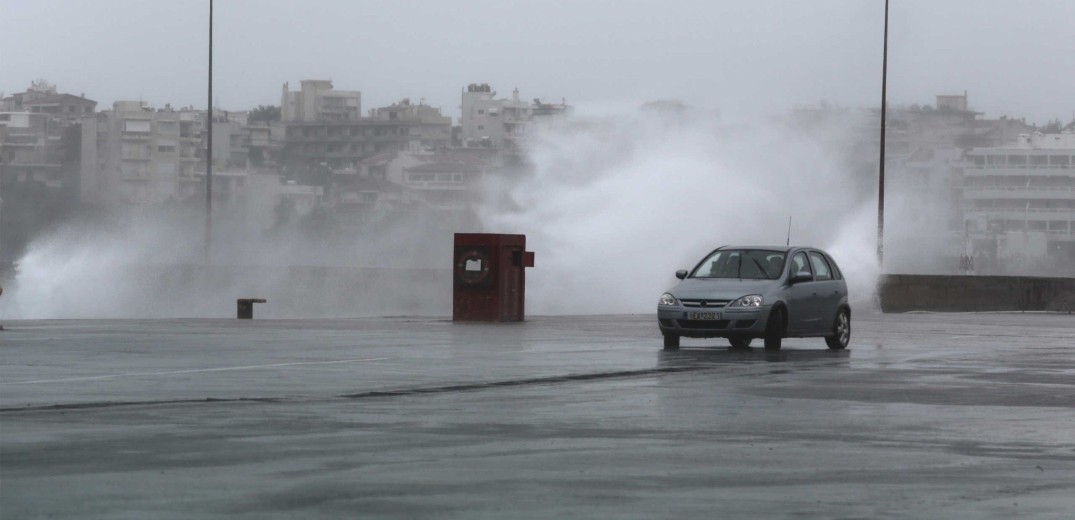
x: 926, y: 416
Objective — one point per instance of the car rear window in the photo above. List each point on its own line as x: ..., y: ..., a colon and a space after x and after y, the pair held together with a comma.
x: 821, y: 266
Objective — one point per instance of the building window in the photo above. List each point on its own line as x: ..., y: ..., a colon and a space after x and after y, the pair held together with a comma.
x: 136, y: 125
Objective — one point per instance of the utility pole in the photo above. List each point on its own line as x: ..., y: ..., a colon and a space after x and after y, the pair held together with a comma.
x: 209, y: 152
x: 881, y: 175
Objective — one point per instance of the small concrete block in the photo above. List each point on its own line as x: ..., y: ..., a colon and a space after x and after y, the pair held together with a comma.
x: 244, y: 307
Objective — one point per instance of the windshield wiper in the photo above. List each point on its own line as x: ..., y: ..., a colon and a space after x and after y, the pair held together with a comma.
x: 764, y: 275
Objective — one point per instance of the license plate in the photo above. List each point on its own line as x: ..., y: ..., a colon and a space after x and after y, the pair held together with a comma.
x: 703, y: 315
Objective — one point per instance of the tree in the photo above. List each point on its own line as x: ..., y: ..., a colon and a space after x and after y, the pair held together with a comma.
x: 265, y: 113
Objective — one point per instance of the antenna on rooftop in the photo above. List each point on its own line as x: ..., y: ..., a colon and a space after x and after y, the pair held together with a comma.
x: 788, y: 243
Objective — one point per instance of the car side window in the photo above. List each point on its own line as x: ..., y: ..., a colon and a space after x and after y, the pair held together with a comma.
x: 821, y: 267
x: 799, y: 264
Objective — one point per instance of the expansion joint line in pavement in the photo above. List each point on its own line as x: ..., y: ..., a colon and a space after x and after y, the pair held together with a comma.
x: 367, y: 395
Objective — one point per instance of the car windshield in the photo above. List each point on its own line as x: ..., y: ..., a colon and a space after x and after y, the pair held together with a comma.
x: 741, y: 263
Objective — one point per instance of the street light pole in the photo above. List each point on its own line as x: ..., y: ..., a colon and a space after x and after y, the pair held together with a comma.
x: 209, y: 152
x: 881, y: 174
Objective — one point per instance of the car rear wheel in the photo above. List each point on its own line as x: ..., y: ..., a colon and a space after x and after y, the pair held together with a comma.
x: 671, y: 342
x: 739, y: 342
x: 774, y: 330
x: 841, y: 331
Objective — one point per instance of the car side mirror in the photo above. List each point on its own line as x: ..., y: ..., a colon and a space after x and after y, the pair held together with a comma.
x: 800, y: 277
x: 681, y: 274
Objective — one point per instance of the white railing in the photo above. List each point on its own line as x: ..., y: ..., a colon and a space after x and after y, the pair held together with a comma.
x: 1021, y: 188
x: 1019, y: 212
x: 1019, y: 167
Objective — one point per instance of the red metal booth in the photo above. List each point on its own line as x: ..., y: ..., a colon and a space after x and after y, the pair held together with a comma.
x: 489, y: 277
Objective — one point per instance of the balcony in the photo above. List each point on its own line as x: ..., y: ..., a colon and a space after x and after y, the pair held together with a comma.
x: 1031, y: 171
x: 1031, y: 214
x: 1019, y: 192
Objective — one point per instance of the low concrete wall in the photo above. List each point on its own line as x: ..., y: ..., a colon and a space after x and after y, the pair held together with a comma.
x: 909, y: 292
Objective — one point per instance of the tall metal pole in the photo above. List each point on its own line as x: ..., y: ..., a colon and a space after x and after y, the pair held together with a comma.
x: 881, y: 175
x: 209, y: 152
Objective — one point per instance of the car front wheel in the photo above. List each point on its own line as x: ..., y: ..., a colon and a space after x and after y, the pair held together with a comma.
x: 841, y: 331
x: 774, y: 330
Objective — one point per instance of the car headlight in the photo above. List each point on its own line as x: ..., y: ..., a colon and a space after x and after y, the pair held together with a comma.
x: 668, y: 299
x: 753, y: 300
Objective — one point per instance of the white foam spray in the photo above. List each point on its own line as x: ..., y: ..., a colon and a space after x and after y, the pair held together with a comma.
x: 614, y: 204
x: 617, y: 203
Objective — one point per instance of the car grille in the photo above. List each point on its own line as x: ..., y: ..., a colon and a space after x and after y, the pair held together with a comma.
x: 704, y: 324
x: 709, y: 304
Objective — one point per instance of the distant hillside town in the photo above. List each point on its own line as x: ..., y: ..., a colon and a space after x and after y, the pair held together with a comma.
x: 1004, y: 189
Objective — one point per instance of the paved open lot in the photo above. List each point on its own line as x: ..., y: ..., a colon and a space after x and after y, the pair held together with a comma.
x: 926, y: 416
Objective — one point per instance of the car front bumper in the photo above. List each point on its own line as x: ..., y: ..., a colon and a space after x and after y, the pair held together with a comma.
x: 745, y: 321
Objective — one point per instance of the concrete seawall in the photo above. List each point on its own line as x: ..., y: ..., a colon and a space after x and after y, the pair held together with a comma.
x: 909, y: 292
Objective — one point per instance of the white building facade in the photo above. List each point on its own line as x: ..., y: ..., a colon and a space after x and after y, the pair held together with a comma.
x: 1019, y: 204
x: 491, y: 122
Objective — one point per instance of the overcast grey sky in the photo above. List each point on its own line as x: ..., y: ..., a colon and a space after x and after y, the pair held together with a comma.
x: 744, y: 57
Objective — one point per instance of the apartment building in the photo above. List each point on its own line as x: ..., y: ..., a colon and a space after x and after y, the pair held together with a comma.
x: 31, y: 148
x: 139, y: 155
x: 501, y: 124
x: 1019, y: 200
x: 491, y: 122
x: 66, y: 108
x: 317, y: 101
x: 442, y: 180
x: 342, y: 143
x: 37, y: 137
x: 949, y: 123
x: 427, y: 126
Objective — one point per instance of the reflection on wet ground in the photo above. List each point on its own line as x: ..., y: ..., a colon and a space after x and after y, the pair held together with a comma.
x: 700, y: 357
x: 926, y: 416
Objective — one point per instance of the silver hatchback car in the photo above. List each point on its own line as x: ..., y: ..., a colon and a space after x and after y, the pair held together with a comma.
x: 742, y: 293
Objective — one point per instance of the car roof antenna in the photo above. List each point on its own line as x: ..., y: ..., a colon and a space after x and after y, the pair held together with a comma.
x: 788, y: 243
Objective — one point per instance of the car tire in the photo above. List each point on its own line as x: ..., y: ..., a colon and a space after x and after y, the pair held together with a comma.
x: 739, y: 342
x: 774, y: 329
x: 841, y: 331
x: 671, y: 342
